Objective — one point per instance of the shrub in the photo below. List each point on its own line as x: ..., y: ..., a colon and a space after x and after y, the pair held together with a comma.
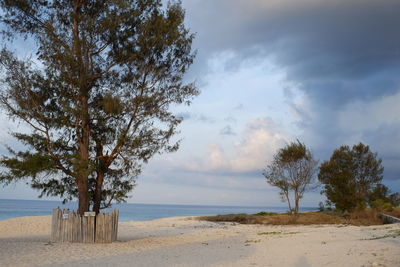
x: 381, y: 205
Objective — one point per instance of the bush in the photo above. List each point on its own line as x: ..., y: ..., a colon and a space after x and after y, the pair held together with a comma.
x: 365, y: 217
x: 381, y: 205
x: 387, y: 207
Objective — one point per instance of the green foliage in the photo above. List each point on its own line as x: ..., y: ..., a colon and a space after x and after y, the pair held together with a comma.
x: 98, y: 104
x: 381, y: 199
x: 292, y: 169
x: 381, y: 205
x: 349, y: 176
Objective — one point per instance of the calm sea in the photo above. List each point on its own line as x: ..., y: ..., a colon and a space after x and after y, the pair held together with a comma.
x: 11, y: 208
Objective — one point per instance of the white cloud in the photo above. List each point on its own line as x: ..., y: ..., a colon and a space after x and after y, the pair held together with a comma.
x: 260, y: 140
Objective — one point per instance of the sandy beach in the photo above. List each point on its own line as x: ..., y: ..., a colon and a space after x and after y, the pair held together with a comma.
x: 185, y: 241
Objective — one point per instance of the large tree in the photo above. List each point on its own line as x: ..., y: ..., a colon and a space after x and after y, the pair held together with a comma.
x: 97, y: 96
x: 292, y: 169
x: 350, y: 176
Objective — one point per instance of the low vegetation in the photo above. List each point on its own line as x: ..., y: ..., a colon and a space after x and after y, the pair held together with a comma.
x: 264, y: 213
x: 366, y: 217
x: 278, y: 233
x: 392, y: 233
x: 253, y: 241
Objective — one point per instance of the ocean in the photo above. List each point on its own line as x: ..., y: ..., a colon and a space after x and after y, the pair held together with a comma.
x: 11, y: 208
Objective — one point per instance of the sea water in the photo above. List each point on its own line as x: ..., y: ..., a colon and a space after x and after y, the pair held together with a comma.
x: 11, y: 208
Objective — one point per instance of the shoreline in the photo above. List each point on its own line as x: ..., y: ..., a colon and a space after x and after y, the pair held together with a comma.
x: 132, y: 211
x: 186, y: 241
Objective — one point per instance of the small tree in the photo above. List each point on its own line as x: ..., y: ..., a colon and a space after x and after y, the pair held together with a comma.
x: 98, y: 103
x: 350, y: 175
x: 292, y: 169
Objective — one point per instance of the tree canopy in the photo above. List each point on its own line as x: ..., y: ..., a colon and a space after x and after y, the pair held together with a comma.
x: 292, y: 169
x: 97, y: 96
x: 350, y: 176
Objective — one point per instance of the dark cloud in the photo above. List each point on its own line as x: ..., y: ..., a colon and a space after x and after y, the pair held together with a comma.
x: 239, y: 106
x: 185, y: 115
x: 205, y: 119
x: 196, y: 117
x: 336, y: 52
x: 386, y: 141
x: 230, y: 119
x: 227, y: 130
x: 326, y: 136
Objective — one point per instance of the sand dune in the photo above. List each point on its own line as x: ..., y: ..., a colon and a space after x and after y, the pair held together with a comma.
x: 185, y: 241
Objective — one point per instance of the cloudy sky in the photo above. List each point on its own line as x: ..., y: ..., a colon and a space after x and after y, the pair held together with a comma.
x: 270, y: 72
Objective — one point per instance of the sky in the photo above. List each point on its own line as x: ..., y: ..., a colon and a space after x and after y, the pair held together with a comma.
x: 270, y: 72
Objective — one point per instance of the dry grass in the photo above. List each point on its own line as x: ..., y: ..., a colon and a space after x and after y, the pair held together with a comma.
x: 277, y: 219
x: 395, y: 212
x: 367, y: 217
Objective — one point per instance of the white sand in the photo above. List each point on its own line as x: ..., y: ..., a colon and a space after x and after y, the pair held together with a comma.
x: 183, y: 241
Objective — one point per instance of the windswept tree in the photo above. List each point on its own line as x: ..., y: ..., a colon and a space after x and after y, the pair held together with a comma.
x: 350, y: 176
x: 97, y: 96
x: 292, y: 169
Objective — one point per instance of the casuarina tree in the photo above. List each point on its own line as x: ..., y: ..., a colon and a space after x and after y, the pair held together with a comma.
x: 292, y: 169
x: 350, y: 176
x: 96, y: 96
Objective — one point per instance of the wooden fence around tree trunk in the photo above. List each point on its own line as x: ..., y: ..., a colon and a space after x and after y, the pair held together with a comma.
x: 68, y: 226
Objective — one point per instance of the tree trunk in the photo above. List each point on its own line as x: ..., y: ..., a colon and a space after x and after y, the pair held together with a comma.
x: 288, y: 201
x: 83, y: 171
x: 83, y: 189
x: 97, y: 192
x: 83, y: 128
x: 83, y: 166
x: 296, y: 202
x: 83, y: 200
